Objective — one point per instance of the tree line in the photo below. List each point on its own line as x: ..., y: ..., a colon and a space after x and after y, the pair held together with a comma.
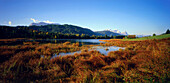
x: 25, y: 32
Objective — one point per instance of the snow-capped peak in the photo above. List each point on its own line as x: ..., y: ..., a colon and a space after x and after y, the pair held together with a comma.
x: 124, y: 33
x: 107, y: 30
x: 117, y: 31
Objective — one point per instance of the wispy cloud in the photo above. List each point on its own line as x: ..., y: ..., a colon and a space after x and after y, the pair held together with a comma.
x: 34, y: 20
x: 47, y: 21
x: 9, y: 22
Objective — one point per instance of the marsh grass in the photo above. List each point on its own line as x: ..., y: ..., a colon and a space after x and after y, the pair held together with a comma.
x: 141, y: 61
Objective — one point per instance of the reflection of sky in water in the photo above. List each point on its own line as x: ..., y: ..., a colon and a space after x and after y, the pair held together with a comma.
x: 68, y: 53
x: 101, y: 49
x: 91, y: 40
x: 81, y: 41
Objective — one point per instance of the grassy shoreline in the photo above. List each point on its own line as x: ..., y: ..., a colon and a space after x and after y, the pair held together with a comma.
x: 148, y: 38
x: 141, y: 61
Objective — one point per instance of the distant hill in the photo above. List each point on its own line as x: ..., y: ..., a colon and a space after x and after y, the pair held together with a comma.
x: 40, y: 32
x: 117, y: 31
x: 70, y: 29
x: 108, y: 33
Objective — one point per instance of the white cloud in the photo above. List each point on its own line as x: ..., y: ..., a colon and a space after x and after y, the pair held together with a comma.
x: 9, y: 22
x: 34, y: 20
x: 48, y: 21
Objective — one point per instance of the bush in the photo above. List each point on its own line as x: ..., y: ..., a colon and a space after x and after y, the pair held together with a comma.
x: 154, y: 34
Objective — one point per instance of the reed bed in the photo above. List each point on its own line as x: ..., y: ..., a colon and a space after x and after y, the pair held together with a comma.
x: 141, y: 61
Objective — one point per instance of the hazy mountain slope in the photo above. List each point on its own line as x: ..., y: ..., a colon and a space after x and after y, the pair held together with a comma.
x: 108, y: 33
x: 117, y: 31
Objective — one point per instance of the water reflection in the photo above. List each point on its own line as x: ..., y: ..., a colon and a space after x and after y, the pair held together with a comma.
x: 81, y: 41
x: 103, y: 50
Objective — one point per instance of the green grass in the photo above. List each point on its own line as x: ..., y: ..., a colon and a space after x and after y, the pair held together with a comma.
x: 151, y: 37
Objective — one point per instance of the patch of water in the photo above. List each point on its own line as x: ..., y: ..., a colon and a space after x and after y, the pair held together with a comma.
x: 105, y: 50
x: 102, y: 49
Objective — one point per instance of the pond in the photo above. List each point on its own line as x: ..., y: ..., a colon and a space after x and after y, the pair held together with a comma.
x: 80, y: 41
x: 43, y: 41
x: 102, y: 49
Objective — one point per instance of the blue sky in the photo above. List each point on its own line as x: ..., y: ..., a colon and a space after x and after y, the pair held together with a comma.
x: 134, y: 16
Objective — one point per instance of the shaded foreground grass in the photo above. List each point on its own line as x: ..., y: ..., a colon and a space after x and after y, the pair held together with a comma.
x: 141, y: 61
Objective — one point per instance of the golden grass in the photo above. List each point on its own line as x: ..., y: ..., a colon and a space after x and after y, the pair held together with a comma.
x: 141, y: 61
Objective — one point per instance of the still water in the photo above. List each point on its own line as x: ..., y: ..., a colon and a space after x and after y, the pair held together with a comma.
x: 81, y: 41
x: 101, y: 49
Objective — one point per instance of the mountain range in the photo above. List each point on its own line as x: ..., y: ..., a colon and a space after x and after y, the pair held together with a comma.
x: 117, y: 31
x: 64, y: 29
x: 108, y: 33
x: 57, y: 28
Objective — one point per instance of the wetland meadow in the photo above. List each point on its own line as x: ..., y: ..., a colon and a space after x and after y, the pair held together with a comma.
x: 111, y: 60
x: 84, y: 41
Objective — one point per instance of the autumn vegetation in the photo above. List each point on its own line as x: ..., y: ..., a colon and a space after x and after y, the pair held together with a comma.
x: 140, y: 61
